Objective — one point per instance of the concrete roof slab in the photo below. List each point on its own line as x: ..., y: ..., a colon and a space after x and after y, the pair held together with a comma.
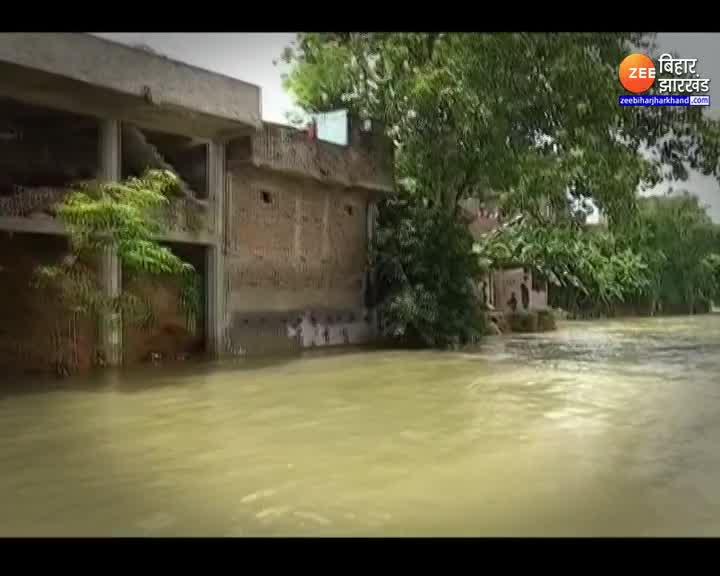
x: 84, y: 73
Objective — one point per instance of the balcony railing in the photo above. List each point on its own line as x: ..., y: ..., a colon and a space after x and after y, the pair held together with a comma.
x: 365, y: 163
x: 32, y: 210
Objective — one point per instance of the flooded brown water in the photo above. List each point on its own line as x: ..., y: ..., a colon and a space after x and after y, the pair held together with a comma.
x: 603, y: 428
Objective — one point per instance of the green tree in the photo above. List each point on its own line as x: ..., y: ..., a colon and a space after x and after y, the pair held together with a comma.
x: 712, y: 262
x: 528, y: 120
x: 532, y: 118
x: 591, y: 267
x: 679, y: 240
x: 668, y: 260
x: 426, y: 272
x: 126, y: 217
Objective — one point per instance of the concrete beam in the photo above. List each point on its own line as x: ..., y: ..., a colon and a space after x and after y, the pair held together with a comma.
x: 156, y: 80
x: 371, y: 223
x: 286, y: 179
x: 50, y: 225
x: 32, y: 225
x: 200, y: 238
x: 110, y: 323
x: 110, y: 328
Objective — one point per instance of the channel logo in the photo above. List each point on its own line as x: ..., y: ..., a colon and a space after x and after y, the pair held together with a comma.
x: 637, y: 73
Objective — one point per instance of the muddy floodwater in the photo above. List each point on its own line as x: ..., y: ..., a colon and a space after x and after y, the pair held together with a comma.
x: 600, y: 428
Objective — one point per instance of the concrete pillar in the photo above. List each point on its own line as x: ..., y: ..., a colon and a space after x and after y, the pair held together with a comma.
x: 325, y: 248
x: 215, y: 320
x: 110, y: 328
x: 371, y: 223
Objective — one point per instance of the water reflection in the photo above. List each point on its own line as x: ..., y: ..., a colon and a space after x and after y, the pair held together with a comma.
x: 598, y: 429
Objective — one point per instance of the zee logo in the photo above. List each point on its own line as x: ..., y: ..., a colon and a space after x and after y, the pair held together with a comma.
x: 642, y: 72
x: 637, y: 73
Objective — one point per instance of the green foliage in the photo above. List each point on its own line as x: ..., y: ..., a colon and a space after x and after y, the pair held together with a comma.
x: 531, y: 118
x: 125, y: 217
x: 529, y: 121
x: 425, y: 267
x: 669, y: 258
x: 712, y: 266
x: 681, y: 243
x: 190, y: 292
x: 591, y: 263
x: 323, y: 83
x: 76, y: 284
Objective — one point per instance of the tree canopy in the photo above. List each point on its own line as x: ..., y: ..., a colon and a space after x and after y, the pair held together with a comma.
x: 531, y: 122
x: 127, y: 217
x: 593, y: 264
x: 669, y: 260
x: 531, y: 118
x: 425, y: 269
x: 682, y: 246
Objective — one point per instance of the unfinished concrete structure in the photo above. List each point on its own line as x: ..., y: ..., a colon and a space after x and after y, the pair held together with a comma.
x: 284, y: 221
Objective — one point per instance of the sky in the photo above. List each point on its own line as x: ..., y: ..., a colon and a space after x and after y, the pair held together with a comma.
x: 251, y: 56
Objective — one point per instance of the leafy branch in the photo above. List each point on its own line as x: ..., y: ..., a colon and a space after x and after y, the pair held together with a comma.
x: 125, y: 217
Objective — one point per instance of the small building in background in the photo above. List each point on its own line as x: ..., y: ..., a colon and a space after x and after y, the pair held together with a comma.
x: 518, y: 290
x: 510, y: 289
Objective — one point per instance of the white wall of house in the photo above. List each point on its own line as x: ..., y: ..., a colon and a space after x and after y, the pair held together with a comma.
x: 509, y: 282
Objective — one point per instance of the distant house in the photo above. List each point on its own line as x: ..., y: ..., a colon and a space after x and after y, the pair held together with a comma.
x: 508, y: 289
x: 518, y: 289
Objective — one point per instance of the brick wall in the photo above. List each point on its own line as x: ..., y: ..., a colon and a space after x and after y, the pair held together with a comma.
x: 295, y: 262
x: 37, y: 334
x: 507, y: 282
x: 170, y: 334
